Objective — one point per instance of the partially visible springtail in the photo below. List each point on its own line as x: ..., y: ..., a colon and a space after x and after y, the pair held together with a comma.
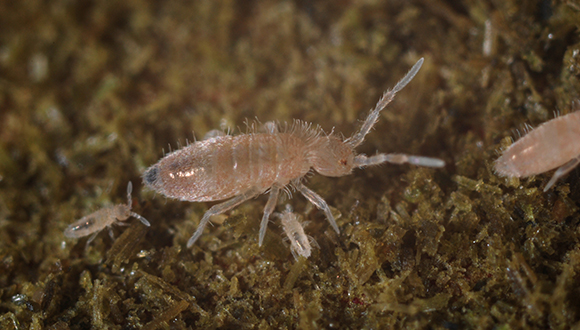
x: 554, y: 144
x: 300, y: 243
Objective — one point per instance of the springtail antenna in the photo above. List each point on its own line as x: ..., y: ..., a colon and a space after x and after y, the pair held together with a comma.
x: 358, y: 138
x: 130, y: 201
x: 362, y: 160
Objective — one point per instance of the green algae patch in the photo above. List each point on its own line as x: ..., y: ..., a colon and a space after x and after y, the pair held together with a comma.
x: 91, y: 94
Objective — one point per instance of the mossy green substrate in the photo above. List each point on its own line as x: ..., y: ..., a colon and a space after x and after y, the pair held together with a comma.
x: 92, y: 92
